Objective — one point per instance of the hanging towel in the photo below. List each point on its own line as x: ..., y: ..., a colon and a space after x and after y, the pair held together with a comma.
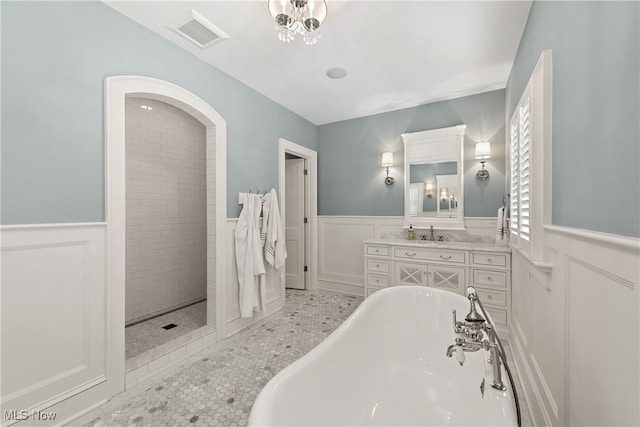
x: 275, y: 252
x: 501, y: 225
x: 249, y: 257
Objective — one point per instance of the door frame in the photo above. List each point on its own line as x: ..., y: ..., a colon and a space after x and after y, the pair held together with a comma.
x: 116, y: 88
x: 310, y: 200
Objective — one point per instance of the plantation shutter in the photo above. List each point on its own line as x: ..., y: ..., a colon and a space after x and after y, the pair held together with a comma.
x: 524, y: 169
x: 529, y: 145
x: 514, y: 208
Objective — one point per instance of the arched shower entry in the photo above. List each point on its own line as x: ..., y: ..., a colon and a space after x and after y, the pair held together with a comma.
x: 117, y: 89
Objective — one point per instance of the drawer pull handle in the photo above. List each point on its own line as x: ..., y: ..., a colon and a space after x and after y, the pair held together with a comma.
x: 489, y: 297
x: 408, y: 254
x: 489, y: 259
x: 377, y: 265
x: 377, y: 251
x: 489, y: 278
x: 445, y: 257
x: 377, y: 280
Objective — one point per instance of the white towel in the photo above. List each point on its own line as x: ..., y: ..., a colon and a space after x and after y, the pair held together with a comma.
x: 249, y: 257
x: 501, y: 225
x: 275, y: 252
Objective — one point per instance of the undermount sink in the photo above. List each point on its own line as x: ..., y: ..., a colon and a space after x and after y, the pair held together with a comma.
x: 431, y: 242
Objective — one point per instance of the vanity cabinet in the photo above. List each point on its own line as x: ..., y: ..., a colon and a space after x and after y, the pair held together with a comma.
x: 432, y: 275
x: 448, y: 266
x: 491, y: 276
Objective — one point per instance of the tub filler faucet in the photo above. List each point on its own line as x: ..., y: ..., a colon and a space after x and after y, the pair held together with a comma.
x: 473, y: 334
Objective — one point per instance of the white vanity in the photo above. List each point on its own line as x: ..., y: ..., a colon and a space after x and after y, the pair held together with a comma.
x: 434, y: 160
x: 445, y: 265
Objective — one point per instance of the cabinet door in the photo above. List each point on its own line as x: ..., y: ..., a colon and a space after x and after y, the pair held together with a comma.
x: 447, y: 278
x: 408, y: 273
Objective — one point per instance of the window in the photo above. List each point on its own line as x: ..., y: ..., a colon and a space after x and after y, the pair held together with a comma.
x: 530, y: 162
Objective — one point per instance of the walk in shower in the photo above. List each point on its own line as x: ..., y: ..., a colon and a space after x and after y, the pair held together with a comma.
x: 166, y: 224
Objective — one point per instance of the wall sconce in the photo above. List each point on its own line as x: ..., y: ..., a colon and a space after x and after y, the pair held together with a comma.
x: 483, y: 152
x: 429, y: 189
x: 387, y: 161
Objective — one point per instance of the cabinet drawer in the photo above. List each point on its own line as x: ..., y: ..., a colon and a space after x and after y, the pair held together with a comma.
x: 370, y: 291
x: 377, y: 280
x: 458, y: 257
x: 498, y: 316
x: 490, y: 278
x: 378, y: 265
x: 490, y: 296
x: 378, y: 250
x: 499, y: 260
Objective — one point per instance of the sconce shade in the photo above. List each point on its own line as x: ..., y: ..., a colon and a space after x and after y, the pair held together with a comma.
x: 483, y: 150
x: 387, y: 159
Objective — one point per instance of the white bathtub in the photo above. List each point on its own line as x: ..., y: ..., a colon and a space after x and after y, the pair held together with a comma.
x: 386, y: 365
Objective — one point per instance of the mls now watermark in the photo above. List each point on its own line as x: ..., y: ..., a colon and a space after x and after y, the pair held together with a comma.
x: 15, y: 415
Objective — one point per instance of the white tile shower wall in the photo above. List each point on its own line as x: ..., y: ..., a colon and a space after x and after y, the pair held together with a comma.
x: 166, y: 212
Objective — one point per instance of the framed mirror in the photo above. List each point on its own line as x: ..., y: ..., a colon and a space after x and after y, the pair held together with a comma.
x: 433, y: 178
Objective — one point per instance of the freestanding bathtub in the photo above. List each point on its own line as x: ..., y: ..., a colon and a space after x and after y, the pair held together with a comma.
x: 387, y: 365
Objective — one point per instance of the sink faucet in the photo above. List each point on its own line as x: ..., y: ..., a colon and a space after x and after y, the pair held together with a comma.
x: 432, y: 236
x: 470, y: 337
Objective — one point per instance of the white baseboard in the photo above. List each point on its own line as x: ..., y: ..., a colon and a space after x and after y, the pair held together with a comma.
x: 342, y: 288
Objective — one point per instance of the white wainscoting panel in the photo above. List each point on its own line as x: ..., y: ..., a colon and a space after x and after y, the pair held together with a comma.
x: 274, y: 289
x: 576, y: 329
x: 340, y: 249
x: 53, y: 315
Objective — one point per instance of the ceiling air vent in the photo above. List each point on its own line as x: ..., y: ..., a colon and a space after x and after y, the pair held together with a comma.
x: 200, y: 31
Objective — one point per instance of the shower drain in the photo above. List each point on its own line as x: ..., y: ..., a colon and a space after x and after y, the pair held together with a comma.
x: 169, y: 326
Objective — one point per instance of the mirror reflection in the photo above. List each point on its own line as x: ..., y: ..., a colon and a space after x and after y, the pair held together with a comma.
x: 433, y: 189
x: 433, y: 184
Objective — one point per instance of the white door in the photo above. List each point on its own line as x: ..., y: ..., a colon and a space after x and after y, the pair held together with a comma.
x: 294, y: 223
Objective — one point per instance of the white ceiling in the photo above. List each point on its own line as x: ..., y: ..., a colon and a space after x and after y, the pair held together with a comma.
x: 398, y: 53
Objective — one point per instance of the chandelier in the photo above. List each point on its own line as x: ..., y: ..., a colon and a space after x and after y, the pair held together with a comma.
x: 302, y: 17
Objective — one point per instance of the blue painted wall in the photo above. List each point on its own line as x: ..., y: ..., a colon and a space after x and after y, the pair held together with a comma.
x: 55, y: 56
x: 351, y: 180
x: 596, y: 109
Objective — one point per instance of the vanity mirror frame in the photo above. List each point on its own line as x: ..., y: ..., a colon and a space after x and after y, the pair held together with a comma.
x: 435, y: 145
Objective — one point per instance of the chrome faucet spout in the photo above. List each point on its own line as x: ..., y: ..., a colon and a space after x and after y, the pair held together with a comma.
x: 450, y: 350
x: 432, y: 235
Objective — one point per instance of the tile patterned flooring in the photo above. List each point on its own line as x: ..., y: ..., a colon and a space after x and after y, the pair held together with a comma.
x: 217, y: 387
x: 146, y: 335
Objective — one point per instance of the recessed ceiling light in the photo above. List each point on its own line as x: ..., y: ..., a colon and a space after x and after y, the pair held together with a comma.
x: 337, y: 73
x: 146, y: 107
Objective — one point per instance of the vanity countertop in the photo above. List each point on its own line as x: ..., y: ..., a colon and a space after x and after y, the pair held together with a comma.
x: 470, y: 246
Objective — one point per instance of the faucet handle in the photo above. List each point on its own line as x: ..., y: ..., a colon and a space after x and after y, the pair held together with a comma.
x: 460, y: 355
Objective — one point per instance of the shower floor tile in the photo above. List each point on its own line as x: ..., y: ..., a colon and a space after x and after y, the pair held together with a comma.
x: 149, y: 334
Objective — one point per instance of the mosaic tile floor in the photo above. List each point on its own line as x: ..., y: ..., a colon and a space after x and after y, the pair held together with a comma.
x: 217, y: 387
x: 149, y: 334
